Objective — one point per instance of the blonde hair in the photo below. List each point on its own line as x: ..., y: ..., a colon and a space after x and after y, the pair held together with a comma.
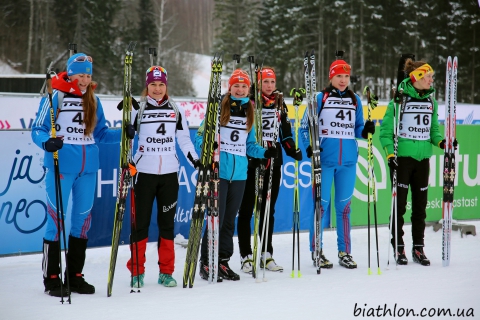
x: 225, y: 112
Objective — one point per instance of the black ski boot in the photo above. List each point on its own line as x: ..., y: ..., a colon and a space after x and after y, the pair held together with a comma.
x: 76, y: 260
x: 419, y: 256
x: 400, y: 257
x: 51, y: 269
x: 225, y: 270
x: 204, y: 272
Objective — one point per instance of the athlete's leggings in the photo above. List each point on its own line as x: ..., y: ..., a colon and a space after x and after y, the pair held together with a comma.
x: 82, y: 188
x: 343, y: 176
x: 231, y: 193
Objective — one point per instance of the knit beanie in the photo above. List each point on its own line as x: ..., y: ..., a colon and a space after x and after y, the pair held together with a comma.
x: 155, y: 73
x: 268, y: 73
x: 339, y: 67
x: 79, y: 63
x: 238, y: 76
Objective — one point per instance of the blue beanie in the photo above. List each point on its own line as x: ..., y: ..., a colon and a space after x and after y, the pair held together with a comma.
x: 76, y: 67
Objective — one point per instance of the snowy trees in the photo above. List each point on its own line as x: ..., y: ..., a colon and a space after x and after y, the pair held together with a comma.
x: 373, y: 34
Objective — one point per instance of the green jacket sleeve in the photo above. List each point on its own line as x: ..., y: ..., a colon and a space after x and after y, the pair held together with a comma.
x: 386, y: 130
x: 435, y: 135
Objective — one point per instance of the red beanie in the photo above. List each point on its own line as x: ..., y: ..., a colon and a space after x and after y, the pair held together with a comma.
x: 238, y: 76
x: 339, y: 67
x: 268, y: 73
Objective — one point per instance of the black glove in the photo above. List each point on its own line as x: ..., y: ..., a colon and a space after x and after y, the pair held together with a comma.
x: 135, y: 104
x: 215, y: 145
x: 442, y: 144
x: 369, y: 127
x: 130, y: 131
x: 271, y: 152
x: 195, y: 162
x: 392, y: 163
x: 297, y: 155
x: 52, y: 144
x: 309, y: 152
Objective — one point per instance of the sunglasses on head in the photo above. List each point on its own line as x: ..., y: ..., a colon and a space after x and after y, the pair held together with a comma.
x: 83, y: 59
x: 161, y: 69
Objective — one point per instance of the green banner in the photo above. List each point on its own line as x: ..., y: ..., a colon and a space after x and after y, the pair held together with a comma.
x: 467, y: 181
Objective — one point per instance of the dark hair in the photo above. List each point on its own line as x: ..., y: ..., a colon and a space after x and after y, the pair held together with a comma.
x: 411, y: 65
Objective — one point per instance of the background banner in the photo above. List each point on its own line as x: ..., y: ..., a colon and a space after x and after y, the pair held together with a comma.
x: 23, y: 209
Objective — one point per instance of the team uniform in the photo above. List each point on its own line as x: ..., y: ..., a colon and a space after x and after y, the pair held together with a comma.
x: 248, y: 202
x: 418, y: 131
x: 340, y: 122
x: 235, y: 144
x: 159, y: 125
x: 78, y: 163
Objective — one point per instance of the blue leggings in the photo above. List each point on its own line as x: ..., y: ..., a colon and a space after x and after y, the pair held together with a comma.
x: 82, y: 188
x: 344, y: 178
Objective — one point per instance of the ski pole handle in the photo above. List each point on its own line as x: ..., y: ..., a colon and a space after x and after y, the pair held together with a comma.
x: 152, y: 52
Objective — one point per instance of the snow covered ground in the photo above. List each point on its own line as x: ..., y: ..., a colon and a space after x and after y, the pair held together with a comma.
x: 334, y: 294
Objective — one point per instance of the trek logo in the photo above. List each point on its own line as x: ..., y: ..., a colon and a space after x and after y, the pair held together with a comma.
x: 238, y: 122
x: 159, y: 115
x: 159, y: 140
x: 419, y: 107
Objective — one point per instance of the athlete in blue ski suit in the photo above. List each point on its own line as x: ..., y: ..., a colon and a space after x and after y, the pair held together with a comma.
x: 78, y: 158
x: 340, y: 121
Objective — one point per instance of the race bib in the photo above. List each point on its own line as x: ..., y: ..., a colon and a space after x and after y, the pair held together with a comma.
x: 70, y: 125
x: 268, y: 124
x: 337, y: 118
x: 157, y: 136
x: 416, y: 120
x: 233, y: 136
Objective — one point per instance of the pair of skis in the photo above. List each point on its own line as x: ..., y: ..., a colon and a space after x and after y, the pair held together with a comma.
x: 124, y: 177
x: 260, y: 170
x: 297, y: 101
x: 449, y: 170
x: 372, y: 102
x: 207, y: 188
x: 311, y: 89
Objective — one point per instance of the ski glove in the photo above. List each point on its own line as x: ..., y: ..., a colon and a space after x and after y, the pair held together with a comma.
x: 392, y: 164
x: 310, y: 152
x: 368, y: 128
x: 52, y: 144
x: 215, y: 145
x: 195, y: 162
x: 130, y: 131
x: 297, y: 155
x: 271, y: 152
x: 442, y: 144
x: 135, y: 104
